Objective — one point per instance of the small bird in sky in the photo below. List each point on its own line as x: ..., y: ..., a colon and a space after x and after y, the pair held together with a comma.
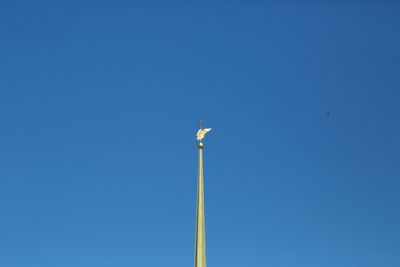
x: 328, y: 114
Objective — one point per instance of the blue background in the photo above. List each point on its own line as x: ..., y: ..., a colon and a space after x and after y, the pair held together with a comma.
x: 100, y: 103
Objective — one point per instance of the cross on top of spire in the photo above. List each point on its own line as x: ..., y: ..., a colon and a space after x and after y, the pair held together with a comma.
x: 201, y: 124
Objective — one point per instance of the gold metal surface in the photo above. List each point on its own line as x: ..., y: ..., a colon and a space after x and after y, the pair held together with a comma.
x: 200, y: 247
x: 201, y: 133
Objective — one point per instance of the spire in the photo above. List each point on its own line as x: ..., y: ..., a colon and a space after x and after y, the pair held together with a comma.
x: 200, y: 247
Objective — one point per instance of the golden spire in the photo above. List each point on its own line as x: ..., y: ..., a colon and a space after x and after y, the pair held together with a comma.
x: 200, y: 247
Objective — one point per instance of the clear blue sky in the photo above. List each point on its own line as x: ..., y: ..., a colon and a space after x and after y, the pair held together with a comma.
x: 99, y: 106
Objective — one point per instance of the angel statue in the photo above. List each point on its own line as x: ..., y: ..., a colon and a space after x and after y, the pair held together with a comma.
x: 201, y: 133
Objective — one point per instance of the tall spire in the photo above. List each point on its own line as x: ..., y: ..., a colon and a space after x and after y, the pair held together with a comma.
x: 200, y: 247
